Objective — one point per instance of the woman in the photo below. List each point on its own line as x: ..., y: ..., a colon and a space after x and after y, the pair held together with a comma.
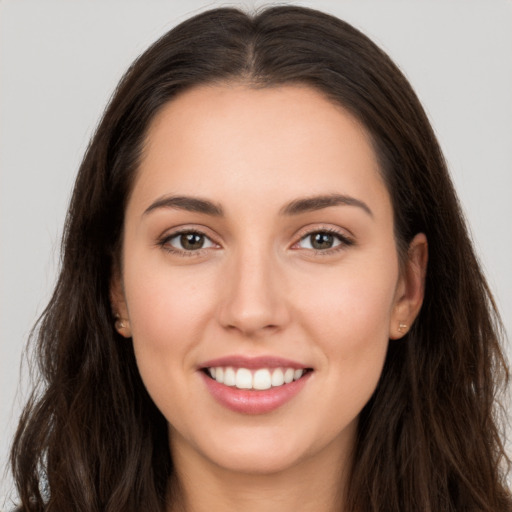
x: 268, y: 298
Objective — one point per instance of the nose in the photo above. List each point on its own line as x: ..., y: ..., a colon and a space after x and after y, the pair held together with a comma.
x: 254, y: 298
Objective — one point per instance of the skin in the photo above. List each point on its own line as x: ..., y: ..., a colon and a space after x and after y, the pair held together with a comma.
x: 257, y: 287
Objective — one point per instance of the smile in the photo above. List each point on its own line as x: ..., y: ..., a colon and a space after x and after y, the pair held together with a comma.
x: 254, y: 385
x: 255, y: 379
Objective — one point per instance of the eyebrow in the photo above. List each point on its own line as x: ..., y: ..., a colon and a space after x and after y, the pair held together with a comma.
x: 191, y: 204
x: 296, y: 207
x: 310, y: 204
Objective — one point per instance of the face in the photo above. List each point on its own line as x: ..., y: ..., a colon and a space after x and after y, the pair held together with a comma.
x: 260, y: 280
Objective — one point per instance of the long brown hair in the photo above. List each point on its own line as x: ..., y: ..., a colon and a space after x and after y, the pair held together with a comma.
x: 428, y: 440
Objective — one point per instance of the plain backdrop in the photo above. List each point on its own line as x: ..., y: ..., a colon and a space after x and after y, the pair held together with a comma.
x: 60, y: 61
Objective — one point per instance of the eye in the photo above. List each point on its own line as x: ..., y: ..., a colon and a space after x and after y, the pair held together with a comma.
x: 323, y: 241
x: 188, y: 241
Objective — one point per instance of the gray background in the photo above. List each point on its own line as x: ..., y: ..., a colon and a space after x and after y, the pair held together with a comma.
x: 60, y: 61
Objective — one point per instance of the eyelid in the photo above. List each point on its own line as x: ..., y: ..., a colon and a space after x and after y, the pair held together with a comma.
x: 163, y: 240
x: 346, y: 238
x: 177, y: 236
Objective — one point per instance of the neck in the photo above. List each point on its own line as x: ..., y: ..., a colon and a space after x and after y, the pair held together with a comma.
x: 315, y: 484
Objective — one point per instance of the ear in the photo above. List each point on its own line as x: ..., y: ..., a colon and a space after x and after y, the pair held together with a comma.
x: 119, y: 307
x: 410, y: 289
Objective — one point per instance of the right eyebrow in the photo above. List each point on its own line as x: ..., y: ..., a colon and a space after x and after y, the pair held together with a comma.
x: 310, y: 204
x: 190, y: 204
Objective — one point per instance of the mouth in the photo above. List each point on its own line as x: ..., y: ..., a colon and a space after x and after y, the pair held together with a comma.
x: 255, y: 379
x: 254, y: 385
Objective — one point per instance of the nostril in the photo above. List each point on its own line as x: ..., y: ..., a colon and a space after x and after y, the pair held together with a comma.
x: 251, y: 328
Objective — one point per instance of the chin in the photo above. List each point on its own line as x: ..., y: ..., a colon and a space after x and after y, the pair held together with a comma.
x: 259, y: 453
x: 258, y: 462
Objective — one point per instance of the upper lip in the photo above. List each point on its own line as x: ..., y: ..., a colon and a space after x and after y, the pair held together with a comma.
x: 239, y: 361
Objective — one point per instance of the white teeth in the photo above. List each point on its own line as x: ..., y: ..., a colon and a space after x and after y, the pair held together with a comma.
x: 277, y: 377
x: 243, y: 378
x: 261, y: 379
x: 229, y: 377
x: 288, y: 375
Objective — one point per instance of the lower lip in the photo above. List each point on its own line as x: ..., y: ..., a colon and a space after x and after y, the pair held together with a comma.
x: 254, y: 401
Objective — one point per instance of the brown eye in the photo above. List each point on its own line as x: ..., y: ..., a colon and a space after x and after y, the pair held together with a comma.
x: 189, y: 241
x: 323, y: 241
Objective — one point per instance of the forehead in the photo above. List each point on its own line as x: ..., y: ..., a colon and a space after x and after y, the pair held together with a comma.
x: 289, y: 139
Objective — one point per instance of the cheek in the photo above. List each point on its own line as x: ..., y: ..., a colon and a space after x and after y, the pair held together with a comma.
x: 168, y: 316
x: 352, y: 304
x: 349, y: 320
x: 165, y: 304
x: 351, y: 326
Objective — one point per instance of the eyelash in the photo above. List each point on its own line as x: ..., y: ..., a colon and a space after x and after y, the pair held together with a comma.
x: 344, y: 242
x: 164, y: 243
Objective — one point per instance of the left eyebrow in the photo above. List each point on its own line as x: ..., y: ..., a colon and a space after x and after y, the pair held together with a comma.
x: 309, y: 204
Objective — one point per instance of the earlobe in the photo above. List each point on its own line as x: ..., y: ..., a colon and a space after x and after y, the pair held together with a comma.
x: 119, y: 308
x: 411, y: 288
x: 122, y: 326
